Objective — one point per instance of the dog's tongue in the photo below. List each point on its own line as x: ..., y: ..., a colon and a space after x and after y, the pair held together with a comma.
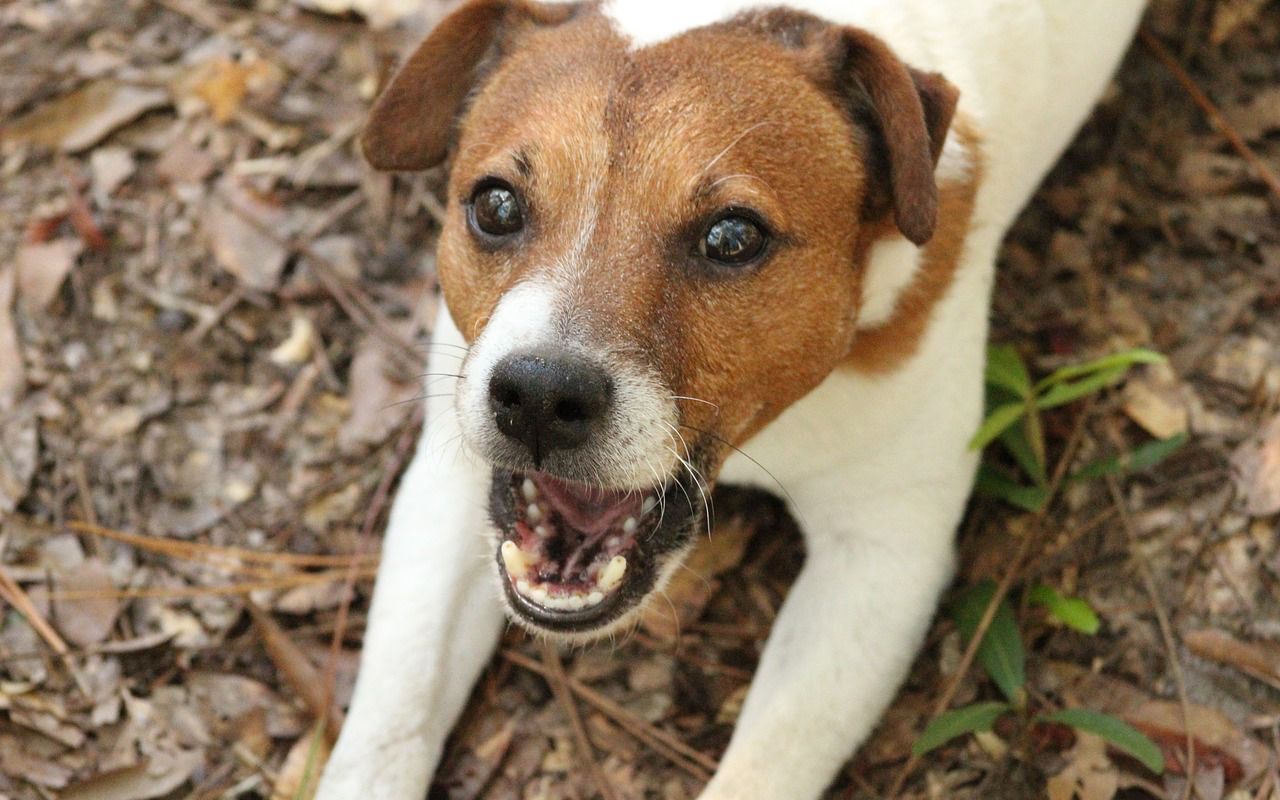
x: 588, y: 509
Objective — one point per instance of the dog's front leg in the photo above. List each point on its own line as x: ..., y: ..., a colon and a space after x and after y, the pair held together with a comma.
x: 433, y: 623
x: 843, y: 640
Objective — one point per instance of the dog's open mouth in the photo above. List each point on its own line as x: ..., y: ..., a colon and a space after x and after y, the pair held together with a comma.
x: 569, y: 552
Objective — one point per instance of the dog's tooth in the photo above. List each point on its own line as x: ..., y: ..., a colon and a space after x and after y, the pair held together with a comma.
x: 595, y: 598
x: 529, y: 491
x: 542, y: 531
x: 522, y: 586
x: 629, y: 527
x: 534, y: 512
x: 611, y: 575
x: 612, y: 542
x: 515, y: 560
x: 539, y: 595
x: 574, y: 602
x: 649, y: 504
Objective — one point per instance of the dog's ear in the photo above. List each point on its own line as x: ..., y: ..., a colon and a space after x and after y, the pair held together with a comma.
x: 909, y: 112
x: 411, y: 123
x: 906, y: 112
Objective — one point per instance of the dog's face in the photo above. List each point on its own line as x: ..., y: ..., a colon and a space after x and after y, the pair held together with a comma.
x: 652, y: 252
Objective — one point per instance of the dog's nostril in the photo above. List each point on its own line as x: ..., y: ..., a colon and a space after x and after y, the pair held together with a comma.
x: 506, y: 395
x: 571, y: 411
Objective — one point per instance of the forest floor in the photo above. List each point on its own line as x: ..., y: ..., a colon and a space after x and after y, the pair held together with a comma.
x: 211, y: 319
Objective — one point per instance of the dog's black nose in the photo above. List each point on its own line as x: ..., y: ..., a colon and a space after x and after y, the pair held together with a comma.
x: 548, y: 402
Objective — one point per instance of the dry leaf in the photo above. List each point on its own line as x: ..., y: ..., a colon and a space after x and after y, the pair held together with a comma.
x: 184, y: 162
x: 1243, y: 362
x: 1218, y: 739
x: 155, y: 778
x: 43, y: 267
x: 15, y: 759
x: 86, y: 621
x: 223, y: 83
x: 1204, y: 172
x: 84, y: 117
x: 13, y: 375
x: 1089, y: 774
x: 243, y: 231
x: 300, y: 774
x: 1256, y: 468
x: 1219, y: 742
x: 379, y: 405
x: 311, y: 597
x: 296, y: 669
x: 1259, y: 116
x: 1260, y: 660
x: 1231, y: 15
x: 1156, y: 400
x: 475, y: 762
x: 296, y: 349
x: 379, y: 13
x: 47, y: 714
x: 339, y: 506
x: 19, y: 454
x: 111, y: 167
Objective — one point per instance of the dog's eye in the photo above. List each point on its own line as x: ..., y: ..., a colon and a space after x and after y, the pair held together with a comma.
x: 495, y: 210
x: 733, y: 240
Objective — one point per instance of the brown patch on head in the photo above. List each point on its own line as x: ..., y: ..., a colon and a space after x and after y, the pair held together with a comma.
x: 624, y: 158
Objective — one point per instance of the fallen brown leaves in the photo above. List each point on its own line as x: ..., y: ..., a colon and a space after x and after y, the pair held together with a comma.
x: 207, y: 315
x: 1256, y: 464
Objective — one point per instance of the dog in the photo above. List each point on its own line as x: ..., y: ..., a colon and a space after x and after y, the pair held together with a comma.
x: 689, y: 243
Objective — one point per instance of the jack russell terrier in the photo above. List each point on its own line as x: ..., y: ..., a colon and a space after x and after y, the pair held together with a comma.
x: 679, y: 232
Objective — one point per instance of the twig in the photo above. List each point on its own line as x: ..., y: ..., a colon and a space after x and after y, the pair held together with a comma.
x: 246, y: 587
x: 1268, y: 783
x: 1215, y: 116
x: 1047, y: 559
x: 1166, y: 630
x: 200, y: 551
x: 695, y: 762
x: 1002, y: 589
x: 12, y: 593
x: 309, y: 160
x: 332, y: 214
x: 559, y: 683
x: 297, y: 670
x: 208, y: 321
x: 675, y: 650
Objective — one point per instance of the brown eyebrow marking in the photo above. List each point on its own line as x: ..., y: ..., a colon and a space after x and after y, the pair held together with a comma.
x: 707, y: 185
x: 522, y: 162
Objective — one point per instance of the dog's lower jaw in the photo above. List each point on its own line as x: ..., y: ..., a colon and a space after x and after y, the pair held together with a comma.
x: 577, y: 563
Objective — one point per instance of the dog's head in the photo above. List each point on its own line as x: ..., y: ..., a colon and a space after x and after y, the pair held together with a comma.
x: 652, y: 251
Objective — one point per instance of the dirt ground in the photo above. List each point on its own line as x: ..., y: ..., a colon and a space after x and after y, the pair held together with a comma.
x: 211, y: 319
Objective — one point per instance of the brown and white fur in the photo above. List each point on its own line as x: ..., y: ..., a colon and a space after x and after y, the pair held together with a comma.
x: 886, y: 145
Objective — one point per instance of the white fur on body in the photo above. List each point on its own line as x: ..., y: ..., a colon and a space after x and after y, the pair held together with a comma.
x: 876, y: 468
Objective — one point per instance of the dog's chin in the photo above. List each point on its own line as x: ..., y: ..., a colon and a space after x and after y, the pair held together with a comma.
x: 579, y: 561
